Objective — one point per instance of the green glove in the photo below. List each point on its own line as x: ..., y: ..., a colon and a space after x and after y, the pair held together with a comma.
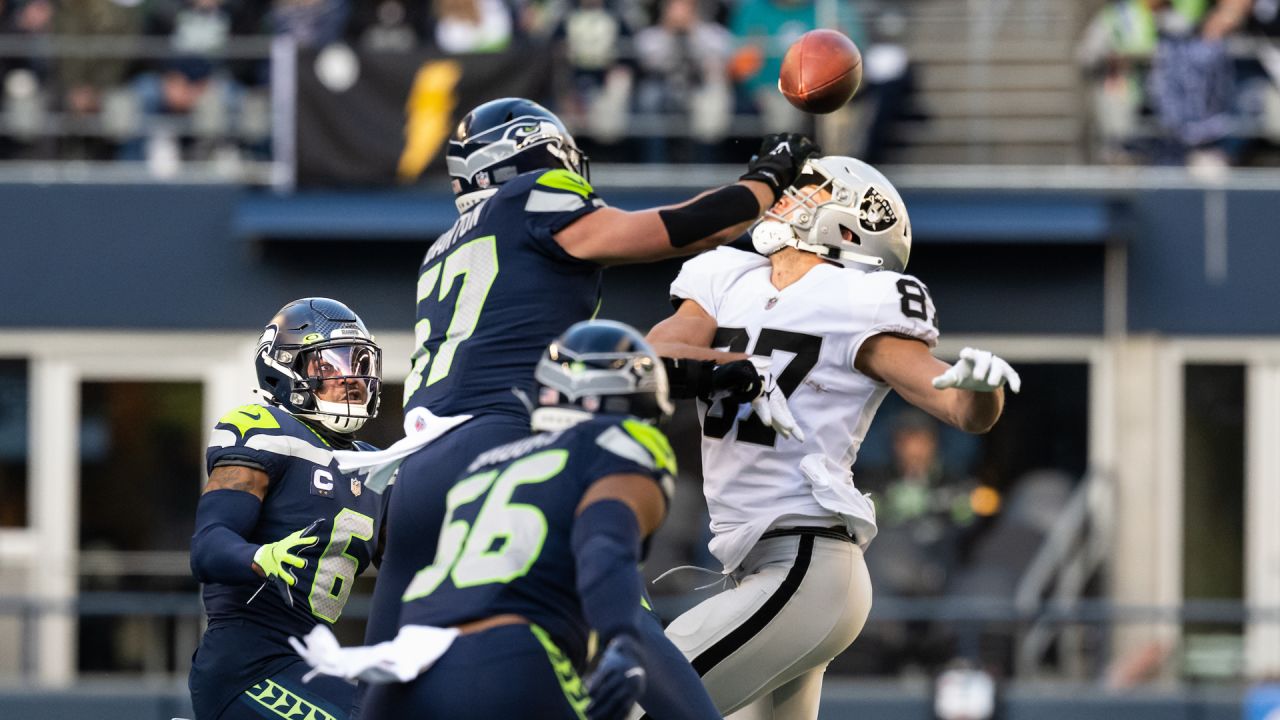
x: 273, y: 557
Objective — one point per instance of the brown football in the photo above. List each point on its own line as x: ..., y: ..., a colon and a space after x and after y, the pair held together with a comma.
x: 821, y: 71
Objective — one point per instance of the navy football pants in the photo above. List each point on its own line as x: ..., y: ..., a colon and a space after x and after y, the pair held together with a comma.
x: 245, y: 672
x: 513, y: 671
x: 417, y: 508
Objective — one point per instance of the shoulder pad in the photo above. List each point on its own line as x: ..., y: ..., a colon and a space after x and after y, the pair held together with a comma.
x: 565, y: 180
x: 247, y: 418
x: 257, y: 427
x: 642, y: 444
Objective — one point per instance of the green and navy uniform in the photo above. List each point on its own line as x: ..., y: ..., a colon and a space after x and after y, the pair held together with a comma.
x: 244, y: 666
x: 493, y: 292
x: 506, y: 548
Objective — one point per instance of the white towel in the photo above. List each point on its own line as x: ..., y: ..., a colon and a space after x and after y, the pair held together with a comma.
x: 412, y: 652
x: 421, y: 428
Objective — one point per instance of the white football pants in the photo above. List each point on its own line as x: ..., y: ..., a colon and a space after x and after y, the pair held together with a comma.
x: 763, y: 646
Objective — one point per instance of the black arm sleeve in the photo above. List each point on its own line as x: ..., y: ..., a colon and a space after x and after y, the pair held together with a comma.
x: 709, y: 214
x: 689, y: 378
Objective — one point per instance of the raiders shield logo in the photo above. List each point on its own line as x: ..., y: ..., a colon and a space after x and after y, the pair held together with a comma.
x: 875, y: 214
x: 356, y: 487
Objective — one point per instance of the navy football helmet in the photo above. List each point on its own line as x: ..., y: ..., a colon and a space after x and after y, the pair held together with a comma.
x: 600, y: 367
x: 502, y: 139
x: 317, y: 360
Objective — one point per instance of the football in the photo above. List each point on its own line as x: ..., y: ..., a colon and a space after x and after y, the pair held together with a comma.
x: 821, y: 71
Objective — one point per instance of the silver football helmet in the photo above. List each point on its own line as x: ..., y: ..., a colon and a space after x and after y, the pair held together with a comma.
x: 599, y: 367
x: 862, y: 201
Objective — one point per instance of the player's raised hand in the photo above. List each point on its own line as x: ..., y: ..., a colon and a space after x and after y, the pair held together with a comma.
x: 617, y: 682
x: 275, y: 559
x: 779, y: 161
x: 979, y: 371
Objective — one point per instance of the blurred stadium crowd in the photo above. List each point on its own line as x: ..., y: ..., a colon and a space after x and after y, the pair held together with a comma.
x: 641, y: 80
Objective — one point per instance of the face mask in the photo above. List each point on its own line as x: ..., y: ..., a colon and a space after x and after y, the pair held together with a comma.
x: 770, y: 236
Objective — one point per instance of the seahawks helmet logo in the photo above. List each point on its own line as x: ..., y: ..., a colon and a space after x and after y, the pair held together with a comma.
x: 875, y: 214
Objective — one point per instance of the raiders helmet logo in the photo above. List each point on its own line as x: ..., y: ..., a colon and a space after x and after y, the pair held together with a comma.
x: 875, y: 214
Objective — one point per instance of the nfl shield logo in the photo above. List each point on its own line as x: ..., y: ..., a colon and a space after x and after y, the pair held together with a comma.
x: 482, y: 179
x: 356, y: 487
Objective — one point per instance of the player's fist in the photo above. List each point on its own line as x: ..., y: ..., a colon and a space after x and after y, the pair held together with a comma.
x: 979, y: 371
x: 736, y: 382
x: 779, y: 161
x: 275, y: 559
x: 617, y: 682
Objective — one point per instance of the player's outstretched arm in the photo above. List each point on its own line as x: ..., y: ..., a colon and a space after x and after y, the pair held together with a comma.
x: 968, y: 395
x: 226, y: 514
x: 613, y: 237
x: 614, y: 516
x: 687, y: 334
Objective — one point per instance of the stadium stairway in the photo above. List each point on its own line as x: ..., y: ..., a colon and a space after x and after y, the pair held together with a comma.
x: 995, y: 83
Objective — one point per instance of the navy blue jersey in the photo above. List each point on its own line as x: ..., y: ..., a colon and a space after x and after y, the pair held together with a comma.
x: 494, y: 291
x: 505, y: 545
x: 305, y: 485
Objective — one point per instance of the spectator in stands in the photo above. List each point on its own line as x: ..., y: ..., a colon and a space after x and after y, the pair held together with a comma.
x: 1192, y: 76
x: 591, y: 35
x: 683, y: 62
x: 24, y: 81
x: 926, y: 516
x: 387, y: 26
x: 191, y: 85
x: 471, y: 26
x: 764, y: 30
x: 311, y: 23
x: 1115, y: 50
x: 92, y: 87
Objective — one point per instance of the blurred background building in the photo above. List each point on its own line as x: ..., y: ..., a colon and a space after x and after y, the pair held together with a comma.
x: 1093, y: 187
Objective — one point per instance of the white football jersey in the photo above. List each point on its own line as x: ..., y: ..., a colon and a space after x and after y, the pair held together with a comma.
x: 812, y: 330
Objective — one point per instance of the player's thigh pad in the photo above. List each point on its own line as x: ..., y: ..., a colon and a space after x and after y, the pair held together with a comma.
x: 801, y: 600
x: 285, y: 696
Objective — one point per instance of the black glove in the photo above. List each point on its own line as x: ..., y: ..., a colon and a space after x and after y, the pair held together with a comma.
x: 738, y: 381
x: 779, y: 161
x: 617, y: 681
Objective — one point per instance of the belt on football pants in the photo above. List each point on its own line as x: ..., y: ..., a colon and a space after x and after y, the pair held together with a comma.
x: 835, y: 533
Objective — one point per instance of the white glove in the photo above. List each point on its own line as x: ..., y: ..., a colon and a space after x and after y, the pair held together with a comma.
x: 771, y: 405
x: 413, y: 650
x: 979, y: 371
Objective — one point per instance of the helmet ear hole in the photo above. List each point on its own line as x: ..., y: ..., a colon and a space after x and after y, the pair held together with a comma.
x: 853, y: 234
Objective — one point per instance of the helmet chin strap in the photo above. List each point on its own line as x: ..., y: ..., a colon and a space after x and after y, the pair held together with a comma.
x: 328, y: 414
x: 473, y: 198
x: 770, y: 236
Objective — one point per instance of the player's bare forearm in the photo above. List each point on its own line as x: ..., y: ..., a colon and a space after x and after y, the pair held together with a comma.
x: 974, y: 412
x: 686, y: 334
x: 909, y: 368
x: 237, y: 477
x: 683, y: 351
